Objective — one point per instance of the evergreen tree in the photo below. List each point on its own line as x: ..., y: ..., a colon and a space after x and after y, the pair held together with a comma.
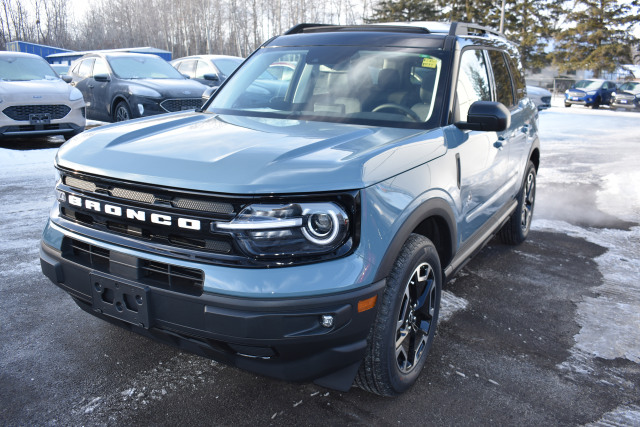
x: 405, y: 10
x: 600, y: 39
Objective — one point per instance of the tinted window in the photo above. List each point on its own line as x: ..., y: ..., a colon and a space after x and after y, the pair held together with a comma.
x: 473, y: 81
x: 518, y: 78
x: 504, y: 87
x: 85, y: 67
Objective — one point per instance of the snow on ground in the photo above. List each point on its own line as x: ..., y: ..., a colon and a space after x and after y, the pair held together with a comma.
x: 596, y: 154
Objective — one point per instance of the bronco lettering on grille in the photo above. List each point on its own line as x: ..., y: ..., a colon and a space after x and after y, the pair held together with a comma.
x: 134, y: 214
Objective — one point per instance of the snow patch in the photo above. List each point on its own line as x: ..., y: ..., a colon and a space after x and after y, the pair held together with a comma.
x: 450, y: 304
x: 621, y: 416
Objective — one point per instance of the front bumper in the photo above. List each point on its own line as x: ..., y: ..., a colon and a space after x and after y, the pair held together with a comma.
x: 282, y: 338
x: 628, y: 104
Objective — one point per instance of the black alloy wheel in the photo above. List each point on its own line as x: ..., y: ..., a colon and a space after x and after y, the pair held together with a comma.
x: 122, y: 112
x: 516, y: 229
x: 406, y: 322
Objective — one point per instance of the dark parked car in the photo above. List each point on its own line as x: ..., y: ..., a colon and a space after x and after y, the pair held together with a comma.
x: 122, y: 86
x: 590, y: 93
x: 210, y: 70
x: 627, y: 96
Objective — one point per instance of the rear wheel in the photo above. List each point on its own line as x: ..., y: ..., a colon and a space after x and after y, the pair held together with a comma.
x: 122, y: 112
x: 516, y: 230
x: 405, y: 325
x: 596, y: 104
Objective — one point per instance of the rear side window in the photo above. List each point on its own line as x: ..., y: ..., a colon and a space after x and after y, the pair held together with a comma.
x: 518, y: 79
x: 504, y: 86
x: 473, y: 81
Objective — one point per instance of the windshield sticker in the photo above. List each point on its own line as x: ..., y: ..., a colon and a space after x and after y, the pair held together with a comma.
x: 429, y: 63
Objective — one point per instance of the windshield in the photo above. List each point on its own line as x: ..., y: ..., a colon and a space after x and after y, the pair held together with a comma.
x: 17, y: 68
x: 631, y: 87
x: 360, y: 85
x: 227, y: 65
x: 588, y: 84
x: 143, y: 67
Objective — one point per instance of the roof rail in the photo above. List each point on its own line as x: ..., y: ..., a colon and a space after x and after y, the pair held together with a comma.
x: 466, y: 29
x: 320, y: 28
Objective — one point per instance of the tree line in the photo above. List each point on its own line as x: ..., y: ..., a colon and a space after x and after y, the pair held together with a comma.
x: 573, y: 34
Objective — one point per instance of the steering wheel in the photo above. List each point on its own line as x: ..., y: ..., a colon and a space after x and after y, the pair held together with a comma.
x: 391, y: 106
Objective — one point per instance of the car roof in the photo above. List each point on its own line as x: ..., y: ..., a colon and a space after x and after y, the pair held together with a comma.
x: 118, y: 55
x: 210, y: 57
x: 20, y: 55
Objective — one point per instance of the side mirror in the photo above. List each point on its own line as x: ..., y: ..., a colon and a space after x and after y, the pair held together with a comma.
x: 486, y: 116
x: 102, y: 78
x: 186, y: 76
x: 212, y: 77
x: 66, y: 78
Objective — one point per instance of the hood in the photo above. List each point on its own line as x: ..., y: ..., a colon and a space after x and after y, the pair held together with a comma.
x: 173, y: 88
x: 248, y: 155
x: 534, y: 90
x: 40, y: 90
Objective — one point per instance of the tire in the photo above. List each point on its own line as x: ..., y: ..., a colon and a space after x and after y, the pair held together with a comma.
x: 567, y: 105
x: 121, y: 112
x: 516, y: 229
x: 596, y: 104
x: 408, y: 315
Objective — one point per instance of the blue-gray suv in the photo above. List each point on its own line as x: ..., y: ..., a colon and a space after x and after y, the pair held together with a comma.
x: 303, y: 230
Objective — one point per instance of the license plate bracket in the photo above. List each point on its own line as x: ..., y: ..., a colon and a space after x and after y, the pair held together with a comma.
x: 121, y: 299
x: 40, y: 119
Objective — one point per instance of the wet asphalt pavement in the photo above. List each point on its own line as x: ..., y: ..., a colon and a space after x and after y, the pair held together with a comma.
x: 505, y: 359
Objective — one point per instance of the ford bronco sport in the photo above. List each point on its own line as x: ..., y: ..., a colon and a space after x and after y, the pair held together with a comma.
x: 302, y: 227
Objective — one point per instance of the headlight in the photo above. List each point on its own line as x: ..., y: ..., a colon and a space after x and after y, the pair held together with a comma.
x: 566, y: 92
x: 613, y: 94
x: 290, y: 230
x: 637, y: 96
x: 75, y: 94
x: 592, y: 92
x: 144, y: 91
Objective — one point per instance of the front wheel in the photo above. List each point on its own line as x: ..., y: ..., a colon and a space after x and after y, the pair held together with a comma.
x: 567, y: 105
x: 405, y: 325
x: 122, y: 112
x: 516, y: 229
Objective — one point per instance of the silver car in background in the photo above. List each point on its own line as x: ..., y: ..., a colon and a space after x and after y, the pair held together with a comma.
x: 541, y: 97
x: 34, y: 100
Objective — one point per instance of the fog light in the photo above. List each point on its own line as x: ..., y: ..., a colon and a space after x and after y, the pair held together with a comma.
x: 141, y: 109
x: 327, y: 320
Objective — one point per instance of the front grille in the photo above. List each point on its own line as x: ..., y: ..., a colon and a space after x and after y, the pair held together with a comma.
x: 625, y: 97
x: 22, y: 112
x: 157, y: 274
x: 179, y: 104
x: 147, y: 197
x: 578, y: 94
x: 33, y: 128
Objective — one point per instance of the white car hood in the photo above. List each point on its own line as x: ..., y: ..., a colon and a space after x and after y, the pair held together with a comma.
x: 38, y: 90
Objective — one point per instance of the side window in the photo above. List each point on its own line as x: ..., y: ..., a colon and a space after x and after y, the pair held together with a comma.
x: 473, y: 81
x: 518, y: 79
x: 188, y: 68
x: 85, y: 67
x: 504, y: 87
x: 202, y: 69
x: 100, y: 67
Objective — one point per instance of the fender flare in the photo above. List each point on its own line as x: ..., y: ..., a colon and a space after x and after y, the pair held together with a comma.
x: 435, y: 207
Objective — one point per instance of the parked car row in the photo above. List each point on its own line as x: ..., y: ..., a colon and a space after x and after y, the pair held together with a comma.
x: 35, y: 98
x: 596, y: 92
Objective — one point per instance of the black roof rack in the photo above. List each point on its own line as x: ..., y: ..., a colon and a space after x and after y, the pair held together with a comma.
x: 320, y: 28
x: 465, y: 29
x: 455, y: 29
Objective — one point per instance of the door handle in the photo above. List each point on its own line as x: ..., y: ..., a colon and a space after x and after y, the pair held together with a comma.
x: 499, y: 144
x: 525, y: 129
x: 90, y: 86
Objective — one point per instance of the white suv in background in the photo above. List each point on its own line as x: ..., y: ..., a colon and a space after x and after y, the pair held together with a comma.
x: 34, y: 100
